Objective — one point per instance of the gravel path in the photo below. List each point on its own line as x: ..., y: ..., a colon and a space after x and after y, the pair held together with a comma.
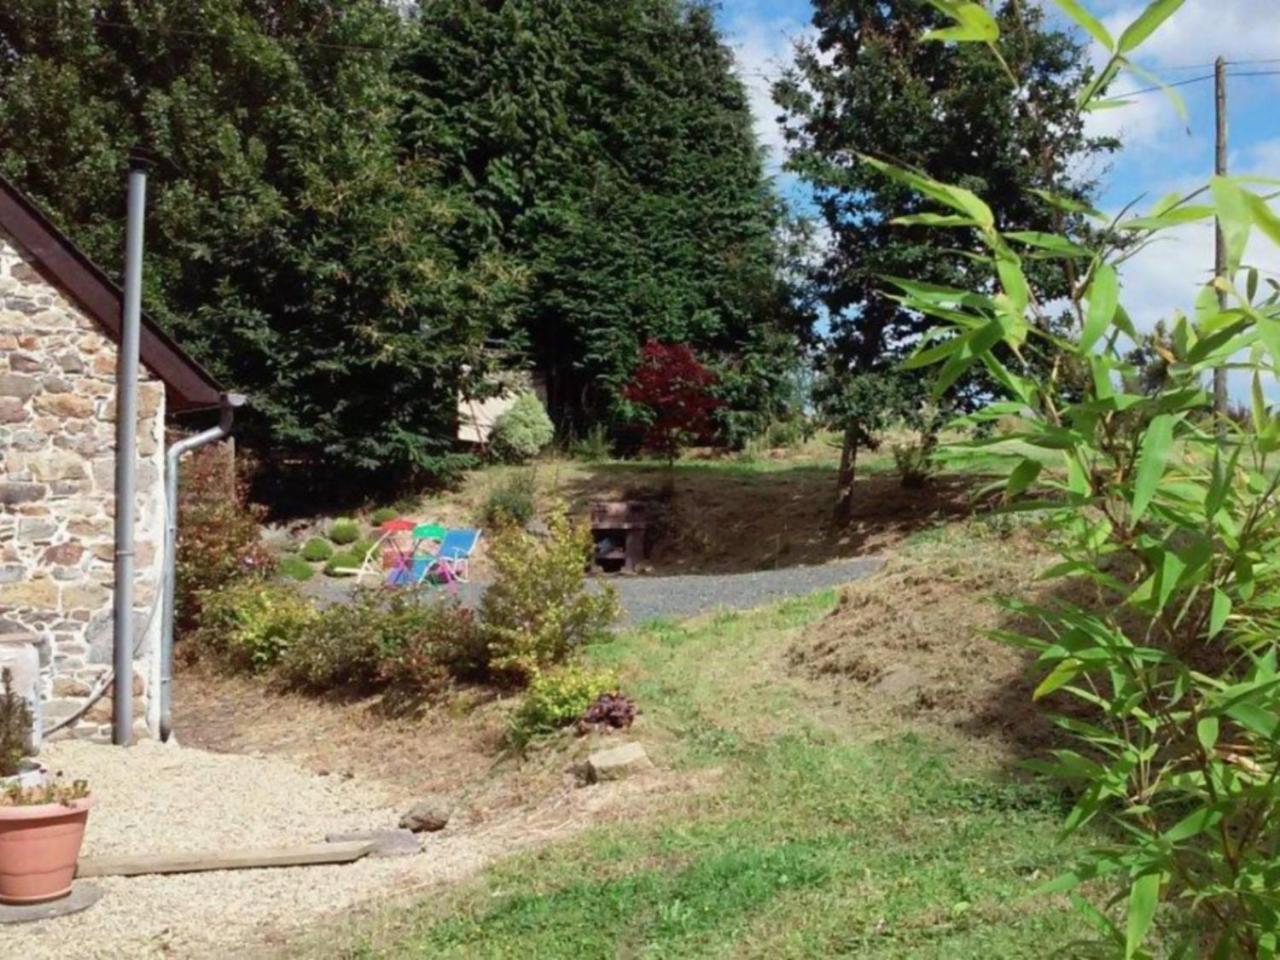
x: 646, y: 598
x: 156, y: 798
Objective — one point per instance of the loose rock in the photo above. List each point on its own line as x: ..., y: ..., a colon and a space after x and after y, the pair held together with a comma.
x: 428, y: 815
x: 618, y: 762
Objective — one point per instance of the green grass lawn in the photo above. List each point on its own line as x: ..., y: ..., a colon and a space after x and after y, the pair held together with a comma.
x: 815, y: 841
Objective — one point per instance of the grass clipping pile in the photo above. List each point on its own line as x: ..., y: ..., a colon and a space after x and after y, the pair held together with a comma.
x: 912, y: 642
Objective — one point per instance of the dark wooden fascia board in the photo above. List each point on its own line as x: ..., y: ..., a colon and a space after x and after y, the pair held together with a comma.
x: 62, y: 263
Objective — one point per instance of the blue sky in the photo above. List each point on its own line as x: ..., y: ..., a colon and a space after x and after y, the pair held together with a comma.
x: 1161, y: 153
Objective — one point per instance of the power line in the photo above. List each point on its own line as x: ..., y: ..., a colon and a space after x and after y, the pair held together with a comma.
x: 1201, y: 79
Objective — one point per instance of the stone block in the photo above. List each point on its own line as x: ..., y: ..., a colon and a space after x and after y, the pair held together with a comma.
x: 13, y: 492
x: 13, y: 410
x: 70, y: 362
x: 86, y: 596
x: 25, y: 363
x: 29, y: 593
x: 65, y: 405
x: 37, y: 529
x: 18, y: 385
x: 64, y: 554
x: 616, y: 763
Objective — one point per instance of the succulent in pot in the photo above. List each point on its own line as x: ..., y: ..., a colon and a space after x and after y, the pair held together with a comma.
x: 16, y: 768
x: 41, y: 831
x: 42, y: 820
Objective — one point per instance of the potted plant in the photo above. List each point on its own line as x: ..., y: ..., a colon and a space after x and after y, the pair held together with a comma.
x: 16, y: 768
x: 41, y: 830
x: 42, y: 821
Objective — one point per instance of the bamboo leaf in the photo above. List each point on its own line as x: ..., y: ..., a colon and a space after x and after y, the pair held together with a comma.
x: 1207, y: 732
x: 1104, y: 295
x: 1234, y: 216
x: 1156, y: 13
x: 973, y: 23
x: 1151, y: 462
x: 1087, y: 20
x: 1062, y: 674
x: 1218, y: 612
x: 1143, y: 897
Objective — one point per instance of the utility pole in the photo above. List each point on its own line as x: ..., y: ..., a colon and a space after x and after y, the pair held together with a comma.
x: 1219, y: 244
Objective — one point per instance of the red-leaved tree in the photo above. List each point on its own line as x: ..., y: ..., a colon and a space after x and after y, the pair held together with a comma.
x: 673, y: 390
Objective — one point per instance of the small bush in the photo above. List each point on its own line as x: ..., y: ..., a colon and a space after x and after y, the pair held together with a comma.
x: 344, y: 531
x: 15, y: 725
x: 913, y: 462
x: 609, y: 711
x: 341, y: 649
x: 383, y: 515
x: 539, y: 609
x: 558, y: 698
x: 248, y: 626
x: 522, y: 432
x: 345, y: 563
x: 594, y: 446
x: 362, y: 548
x: 295, y: 568
x: 317, y: 550
x: 510, y: 503
x: 424, y: 643
x: 396, y: 639
x: 219, y: 541
x: 785, y: 433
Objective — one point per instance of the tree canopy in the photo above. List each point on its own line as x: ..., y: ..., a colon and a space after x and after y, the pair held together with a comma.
x: 613, y: 143
x: 357, y: 210
x: 868, y: 84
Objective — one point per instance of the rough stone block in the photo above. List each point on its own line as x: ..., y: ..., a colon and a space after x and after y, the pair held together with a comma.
x: 29, y: 593
x: 65, y: 405
x: 15, y: 492
x: 18, y: 385
x: 616, y: 763
x: 12, y: 410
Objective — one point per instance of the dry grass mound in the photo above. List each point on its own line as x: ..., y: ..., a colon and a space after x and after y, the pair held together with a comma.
x: 911, y: 643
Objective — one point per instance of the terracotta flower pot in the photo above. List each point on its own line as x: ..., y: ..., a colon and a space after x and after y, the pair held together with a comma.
x: 39, y: 846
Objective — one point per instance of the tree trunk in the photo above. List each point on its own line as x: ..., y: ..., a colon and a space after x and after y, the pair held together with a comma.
x: 844, y: 481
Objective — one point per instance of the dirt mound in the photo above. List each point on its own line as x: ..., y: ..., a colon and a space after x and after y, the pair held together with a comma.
x: 912, y: 642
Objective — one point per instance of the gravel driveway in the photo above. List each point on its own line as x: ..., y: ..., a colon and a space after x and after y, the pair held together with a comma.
x: 646, y: 598
x: 155, y: 798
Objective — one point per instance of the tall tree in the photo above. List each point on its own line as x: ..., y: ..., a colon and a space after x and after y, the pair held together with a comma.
x: 868, y: 84
x: 293, y: 242
x: 613, y: 143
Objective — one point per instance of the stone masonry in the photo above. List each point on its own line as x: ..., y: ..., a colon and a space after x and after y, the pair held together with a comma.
x: 57, y: 478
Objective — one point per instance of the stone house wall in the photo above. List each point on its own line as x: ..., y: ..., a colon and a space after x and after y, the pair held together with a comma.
x: 57, y: 479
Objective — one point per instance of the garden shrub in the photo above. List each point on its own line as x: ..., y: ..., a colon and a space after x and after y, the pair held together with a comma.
x: 558, y: 698
x: 295, y: 568
x: 219, y: 541
x: 344, y: 563
x: 383, y: 515
x: 540, y: 610
x: 522, y: 431
x: 594, y: 446
x: 511, y: 503
x: 344, y: 531
x: 426, y: 641
x: 249, y: 625
x: 412, y: 642
x: 317, y: 550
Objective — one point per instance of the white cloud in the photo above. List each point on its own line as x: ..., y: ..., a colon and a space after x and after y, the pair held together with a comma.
x: 763, y: 50
x: 1203, y: 29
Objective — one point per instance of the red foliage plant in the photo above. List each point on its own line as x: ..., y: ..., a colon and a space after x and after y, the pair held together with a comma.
x: 675, y: 389
x: 218, y: 532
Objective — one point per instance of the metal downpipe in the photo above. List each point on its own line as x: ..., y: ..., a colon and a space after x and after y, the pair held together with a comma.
x: 230, y: 401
